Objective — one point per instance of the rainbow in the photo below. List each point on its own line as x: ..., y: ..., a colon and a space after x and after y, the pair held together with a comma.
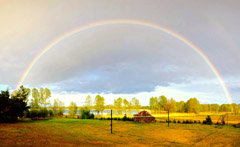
x: 129, y: 22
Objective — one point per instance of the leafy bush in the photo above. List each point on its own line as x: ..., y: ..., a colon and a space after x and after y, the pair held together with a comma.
x: 33, y: 114
x: 190, y: 121
x: 85, y: 114
x: 178, y: 121
x: 199, y: 121
x: 195, y: 121
x: 43, y: 113
x: 124, y: 118
x: 187, y: 121
x: 184, y: 121
x: 204, y: 122
x: 50, y: 112
x: 208, y: 120
x: 174, y: 121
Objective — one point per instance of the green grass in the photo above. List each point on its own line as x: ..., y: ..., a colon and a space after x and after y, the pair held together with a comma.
x: 76, y: 132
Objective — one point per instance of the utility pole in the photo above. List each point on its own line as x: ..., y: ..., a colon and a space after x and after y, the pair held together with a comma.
x: 168, y: 118
x: 111, y: 121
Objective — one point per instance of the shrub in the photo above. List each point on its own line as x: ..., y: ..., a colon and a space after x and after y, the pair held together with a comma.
x: 184, y: 121
x: 187, y: 121
x: 199, y: 121
x: 174, y: 121
x: 85, y: 114
x: 43, y: 113
x: 195, y: 121
x: 124, y: 118
x: 178, y: 121
x: 208, y: 120
x: 50, y: 113
x: 190, y: 121
x: 204, y: 122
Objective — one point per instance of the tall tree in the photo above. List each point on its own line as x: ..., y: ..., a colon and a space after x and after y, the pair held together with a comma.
x: 99, y: 104
x: 162, y: 103
x: 118, y: 105
x: 125, y: 105
x: 88, y: 102
x: 58, y: 107
x: 170, y: 105
x: 35, y: 99
x: 46, y: 97
x: 72, y: 109
x: 135, y: 104
x: 41, y: 97
x: 153, y: 104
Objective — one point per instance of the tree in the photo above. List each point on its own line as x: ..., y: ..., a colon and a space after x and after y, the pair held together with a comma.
x: 235, y: 108
x: 170, y: 105
x: 135, y: 104
x: 154, y: 104
x: 88, y: 102
x: 35, y: 101
x: 41, y: 97
x: 14, y: 107
x: 180, y: 106
x: 47, y: 96
x: 215, y: 107
x: 99, y: 104
x: 72, y: 109
x: 125, y: 105
x: 58, y: 107
x: 118, y: 105
x: 162, y: 103
x: 192, y: 105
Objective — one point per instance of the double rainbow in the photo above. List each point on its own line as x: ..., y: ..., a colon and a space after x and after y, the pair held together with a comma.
x: 129, y: 22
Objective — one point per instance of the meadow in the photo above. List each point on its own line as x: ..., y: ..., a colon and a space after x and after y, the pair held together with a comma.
x: 93, y: 132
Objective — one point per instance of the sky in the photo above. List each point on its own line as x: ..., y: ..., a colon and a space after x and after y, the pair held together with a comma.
x: 122, y: 60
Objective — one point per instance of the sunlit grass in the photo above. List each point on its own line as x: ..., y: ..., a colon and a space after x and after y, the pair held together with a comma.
x: 72, y: 132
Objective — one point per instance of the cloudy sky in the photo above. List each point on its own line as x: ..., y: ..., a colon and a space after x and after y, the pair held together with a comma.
x: 122, y: 60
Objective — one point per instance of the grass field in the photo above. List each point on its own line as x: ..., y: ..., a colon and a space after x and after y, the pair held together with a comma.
x: 231, y: 119
x: 78, y: 132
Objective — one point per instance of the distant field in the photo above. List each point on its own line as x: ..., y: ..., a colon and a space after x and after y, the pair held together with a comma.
x: 76, y: 132
x: 232, y: 118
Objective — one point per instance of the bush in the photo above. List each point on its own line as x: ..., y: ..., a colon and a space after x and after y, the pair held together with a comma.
x: 178, y: 121
x: 33, y: 114
x: 187, y: 121
x: 50, y: 113
x: 208, y: 120
x: 184, y: 121
x: 85, y: 114
x: 190, y: 121
x: 199, y: 121
x: 174, y: 121
x: 204, y: 122
x: 43, y: 113
x: 195, y: 121
x: 124, y: 118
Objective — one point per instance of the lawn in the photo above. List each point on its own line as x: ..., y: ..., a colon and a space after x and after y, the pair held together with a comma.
x: 78, y: 132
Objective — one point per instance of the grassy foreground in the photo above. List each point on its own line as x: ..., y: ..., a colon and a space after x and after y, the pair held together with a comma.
x: 77, y: 132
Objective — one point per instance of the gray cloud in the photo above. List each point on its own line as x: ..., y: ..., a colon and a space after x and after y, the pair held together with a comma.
x: 118, y: 58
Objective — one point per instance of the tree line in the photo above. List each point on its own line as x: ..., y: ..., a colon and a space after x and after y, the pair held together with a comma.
x: 17, y: 105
